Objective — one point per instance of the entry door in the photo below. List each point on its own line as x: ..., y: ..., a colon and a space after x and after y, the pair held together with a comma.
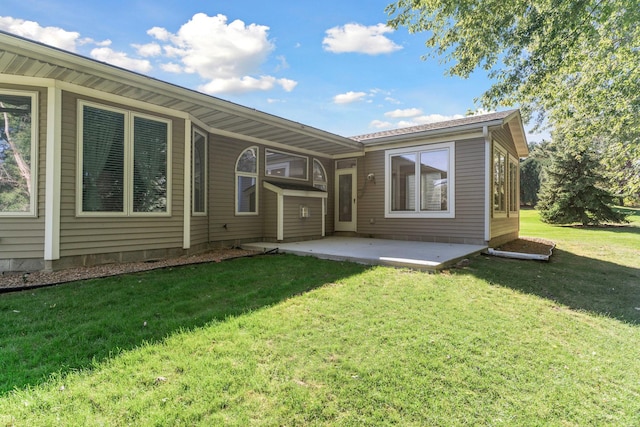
x: 346, y: 199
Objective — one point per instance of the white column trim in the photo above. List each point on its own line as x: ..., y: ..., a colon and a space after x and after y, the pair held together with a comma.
x: 186, y: 243
x: 53, y: 174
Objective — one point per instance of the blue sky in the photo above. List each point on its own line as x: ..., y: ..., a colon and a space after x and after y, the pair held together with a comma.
x: 336, y: 67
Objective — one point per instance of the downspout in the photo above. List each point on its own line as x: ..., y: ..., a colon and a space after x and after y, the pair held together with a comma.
x: 487, y: 183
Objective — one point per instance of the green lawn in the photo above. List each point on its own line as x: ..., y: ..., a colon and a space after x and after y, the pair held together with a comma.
x: 285, y: 340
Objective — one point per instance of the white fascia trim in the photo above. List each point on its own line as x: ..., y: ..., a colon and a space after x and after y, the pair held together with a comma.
x: 53, y: 174
x: 427, y: 137
x: 487, y: 183
x: 186, y: 240
x: 294, y: 193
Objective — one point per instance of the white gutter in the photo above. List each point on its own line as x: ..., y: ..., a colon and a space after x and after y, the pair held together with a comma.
x: 53, y: 174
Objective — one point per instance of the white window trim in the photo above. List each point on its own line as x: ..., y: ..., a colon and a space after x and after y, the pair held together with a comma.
x: 129, y: 116
x: 249, y: 175
x: 326, y: 177
x: 451, y: 184
x: 35, y: 120
x: 498, y: 213
x: 266, y: 174
x: 205, y: 171
x: 514, y: 161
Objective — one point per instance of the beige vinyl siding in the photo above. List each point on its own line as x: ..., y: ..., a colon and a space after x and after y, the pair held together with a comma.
x: 223, y: 155
x: 296, y: 227
x: 96, y: 235
x: 270, y: 215
x: 508, y: 226
x: 329, y: 167
x: 24, y: 237
x: 199, y: 230
x: 466, y: 227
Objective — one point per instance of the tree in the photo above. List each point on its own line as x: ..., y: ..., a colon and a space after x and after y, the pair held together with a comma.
x: 575, y: 62
x: 531, y: 172
x: 572, y: 190
x: 15, y: 154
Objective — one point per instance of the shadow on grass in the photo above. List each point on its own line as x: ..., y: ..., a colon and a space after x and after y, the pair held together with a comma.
x: 74, y: 326
x: 577, y: 282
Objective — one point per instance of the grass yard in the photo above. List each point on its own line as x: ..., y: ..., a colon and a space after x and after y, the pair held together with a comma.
x: 285, y: 340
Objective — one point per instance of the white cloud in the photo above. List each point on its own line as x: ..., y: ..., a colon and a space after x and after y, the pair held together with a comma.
x: 53, y: 36
x: 172, y: 67
x: 360, y: 39
x: 121, y: 59
x: 149, y: 49
x: 408, y: 112
x: 246, y: 84
x: 379, y: 124
x: 349, y: 97
x: 228, y: 55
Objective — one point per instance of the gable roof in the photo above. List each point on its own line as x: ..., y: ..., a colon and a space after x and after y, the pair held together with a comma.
x: 23, y: 57
x: 499, y: 119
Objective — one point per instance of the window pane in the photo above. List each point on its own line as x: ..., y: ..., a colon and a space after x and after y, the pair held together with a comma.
x: 246, y: 194
x: 513, y: 183
x: 403, y: 182
x: 319, y: 175
x: 103, y: 159
x: 286, y: 165
x: 434, y: 166
x: 150, y: 144
x: 15, y: 153
x: 248, y: 161
x: 499, y: 182
x: 345, y: 207
x: 199, y: 174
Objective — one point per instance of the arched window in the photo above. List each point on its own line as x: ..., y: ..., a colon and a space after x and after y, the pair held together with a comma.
x: 319, y: 175
x: 247, y: 182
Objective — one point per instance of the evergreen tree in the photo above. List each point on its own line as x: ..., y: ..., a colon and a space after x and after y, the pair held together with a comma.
x: 571, y: 191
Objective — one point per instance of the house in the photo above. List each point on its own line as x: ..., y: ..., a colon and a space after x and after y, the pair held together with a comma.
x: 101, y: 165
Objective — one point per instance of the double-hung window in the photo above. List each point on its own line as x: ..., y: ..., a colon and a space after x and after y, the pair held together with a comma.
x: 18, y: 153
x: 247, y: 182
x: 420, y: 182
x: 123, y: 162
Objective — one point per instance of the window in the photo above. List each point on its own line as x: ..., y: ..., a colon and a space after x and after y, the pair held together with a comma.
x: 124, y: 160
x: 420, y: 182
x: 18, y: 153
x: 199, y: 171
x: 514, y: 174
x: 286, y: 165
x: 499, y: 181
x: 246, y: 182
x: 319, y: 175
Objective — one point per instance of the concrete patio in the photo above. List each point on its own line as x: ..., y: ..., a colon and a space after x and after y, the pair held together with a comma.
x: 397, y: 253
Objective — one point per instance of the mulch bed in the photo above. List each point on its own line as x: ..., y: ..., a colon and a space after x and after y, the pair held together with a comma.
x: 18, y: 281
x: 528, y: 245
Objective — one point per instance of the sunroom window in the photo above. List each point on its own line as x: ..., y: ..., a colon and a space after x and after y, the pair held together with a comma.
x: 499, y: 181
x: 246, y: 182
x: 514, y: 174
x: 124, y: 159
x: 18, y: 153
x: 420, y: 181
